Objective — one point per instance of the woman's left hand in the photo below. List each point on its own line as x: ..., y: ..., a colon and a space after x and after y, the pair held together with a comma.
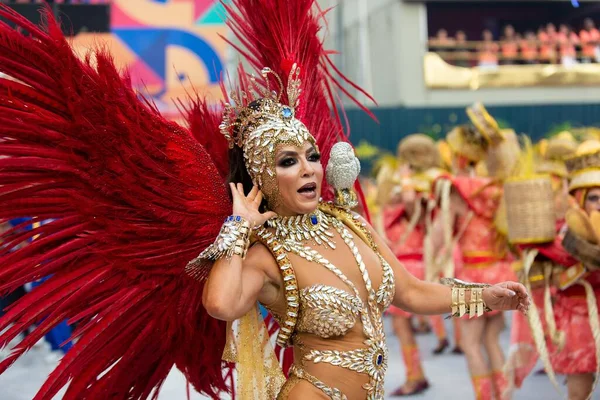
x: 507, y: 296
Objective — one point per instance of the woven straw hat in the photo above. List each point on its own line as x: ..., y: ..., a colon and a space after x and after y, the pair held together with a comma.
x: 419, y: 151
x: 468, y: 142
x: 584, y: 168
x: 502, y: 158
x: 556, y: 150
x: 485, y: 123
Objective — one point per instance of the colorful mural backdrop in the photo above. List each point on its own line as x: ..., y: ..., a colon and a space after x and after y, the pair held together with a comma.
x: 169, y: 46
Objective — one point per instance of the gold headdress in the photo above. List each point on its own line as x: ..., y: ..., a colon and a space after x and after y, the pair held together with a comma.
x: 503, y: 145
x: 258, y: 122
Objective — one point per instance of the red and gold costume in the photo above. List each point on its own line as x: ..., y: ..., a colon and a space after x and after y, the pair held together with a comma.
x: 576, y: 308
x: 551, y: 260
x: 483, y: 248
x: 572, y: 317
x: 406, y: 230
x: 406, y: 241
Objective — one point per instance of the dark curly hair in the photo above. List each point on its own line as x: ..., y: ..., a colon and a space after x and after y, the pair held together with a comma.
x: 239, y: 174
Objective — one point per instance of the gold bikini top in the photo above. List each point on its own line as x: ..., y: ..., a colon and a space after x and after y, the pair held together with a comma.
x: 323, y: 310
x: 327, y: 311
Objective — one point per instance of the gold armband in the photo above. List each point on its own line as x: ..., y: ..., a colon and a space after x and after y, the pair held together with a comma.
x: 475, y: 307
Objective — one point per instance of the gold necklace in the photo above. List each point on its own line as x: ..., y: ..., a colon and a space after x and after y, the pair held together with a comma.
x: 315, y: 226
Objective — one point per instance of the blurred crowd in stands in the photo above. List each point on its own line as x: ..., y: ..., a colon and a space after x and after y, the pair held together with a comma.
x: 549, y: 45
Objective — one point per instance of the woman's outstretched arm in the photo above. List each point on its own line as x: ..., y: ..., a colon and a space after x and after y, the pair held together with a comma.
x: 420, y: 297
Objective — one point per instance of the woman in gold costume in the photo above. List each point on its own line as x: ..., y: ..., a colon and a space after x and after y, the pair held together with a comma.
x: 342, y: 278
x: 322, y: 270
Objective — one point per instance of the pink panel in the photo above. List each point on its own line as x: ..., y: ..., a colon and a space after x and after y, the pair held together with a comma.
x: 120, y: 19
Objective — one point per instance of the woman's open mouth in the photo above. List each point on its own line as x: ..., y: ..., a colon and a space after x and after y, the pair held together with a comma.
x: 309, y: 191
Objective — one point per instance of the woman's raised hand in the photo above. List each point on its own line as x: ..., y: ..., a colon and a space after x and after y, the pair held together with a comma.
x: 248, y: 206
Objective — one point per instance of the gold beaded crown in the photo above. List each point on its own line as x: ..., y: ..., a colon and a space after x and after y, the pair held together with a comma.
x: 258, y: 122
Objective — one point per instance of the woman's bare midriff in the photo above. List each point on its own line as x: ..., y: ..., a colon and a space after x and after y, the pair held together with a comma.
x: 347, y: 381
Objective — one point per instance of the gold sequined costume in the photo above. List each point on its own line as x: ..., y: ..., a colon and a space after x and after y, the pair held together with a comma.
x: 334, y: 321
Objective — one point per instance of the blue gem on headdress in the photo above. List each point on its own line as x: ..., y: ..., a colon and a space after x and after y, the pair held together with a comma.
x: 379, y: 359
x: 238, y: 218
x: 314, y: 220
x: 287, y: 112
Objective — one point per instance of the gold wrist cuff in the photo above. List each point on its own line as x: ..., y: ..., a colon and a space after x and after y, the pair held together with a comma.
x: 475, y: 307
x: 233, y: 239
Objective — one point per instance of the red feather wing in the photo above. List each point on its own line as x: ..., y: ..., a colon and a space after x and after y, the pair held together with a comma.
x: 202, y: 118
x: 132, y: 198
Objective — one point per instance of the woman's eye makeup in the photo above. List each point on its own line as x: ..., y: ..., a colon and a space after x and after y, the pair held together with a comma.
x: 314, y: 157
x: 593, y: 198
x: 286, y: 162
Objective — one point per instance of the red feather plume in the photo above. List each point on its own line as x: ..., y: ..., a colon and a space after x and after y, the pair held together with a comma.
x: 278, y: 34
x: 204, y: 119
x: 132, y: 198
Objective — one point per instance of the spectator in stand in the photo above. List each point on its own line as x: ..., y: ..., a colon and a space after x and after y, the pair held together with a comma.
x: 462, y: 55
x: 547, y: 39
x: 518, y: 37
x: 488, y: 51
x: 567, y: 40
x: 441, y: 42
x: 551, y: 31
x: 590, y: 39
x: 529, y: 48
x: 509, y: 46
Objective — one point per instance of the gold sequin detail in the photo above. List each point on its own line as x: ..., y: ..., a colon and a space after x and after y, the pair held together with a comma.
x: 327, y: 311
x: 288, y: 322
x: 333, y: 393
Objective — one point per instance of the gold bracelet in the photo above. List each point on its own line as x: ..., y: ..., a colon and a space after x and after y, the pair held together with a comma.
x: 233, y: 240
x: 475, y: 307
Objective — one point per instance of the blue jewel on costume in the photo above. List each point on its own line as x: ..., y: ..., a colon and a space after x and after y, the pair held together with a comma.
x: 287, y: 112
